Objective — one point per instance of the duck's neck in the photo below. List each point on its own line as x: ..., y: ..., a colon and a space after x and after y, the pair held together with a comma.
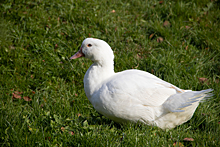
x: 97, y: 73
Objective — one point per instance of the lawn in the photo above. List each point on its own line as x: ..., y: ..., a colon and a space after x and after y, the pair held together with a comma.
x: 43, y: 102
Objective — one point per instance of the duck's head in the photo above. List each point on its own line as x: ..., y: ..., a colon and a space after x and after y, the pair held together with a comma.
x: 96, y: 50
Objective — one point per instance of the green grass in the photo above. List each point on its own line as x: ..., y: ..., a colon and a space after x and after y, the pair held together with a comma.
x: 38, y: 37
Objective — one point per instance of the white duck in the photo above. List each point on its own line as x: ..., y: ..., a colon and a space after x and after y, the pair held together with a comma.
x: 134, y: 95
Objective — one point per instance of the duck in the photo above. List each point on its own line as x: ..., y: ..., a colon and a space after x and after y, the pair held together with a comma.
x: 134, y: 95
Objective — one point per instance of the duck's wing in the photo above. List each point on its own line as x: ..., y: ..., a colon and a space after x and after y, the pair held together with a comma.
x: 140, y: 86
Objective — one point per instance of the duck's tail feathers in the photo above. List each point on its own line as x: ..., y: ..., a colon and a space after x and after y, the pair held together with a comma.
x: 177, y: 102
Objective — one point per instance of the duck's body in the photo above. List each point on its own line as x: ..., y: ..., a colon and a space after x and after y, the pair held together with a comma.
x: 134, y: 95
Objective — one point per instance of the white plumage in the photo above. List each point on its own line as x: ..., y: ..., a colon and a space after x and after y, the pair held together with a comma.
x: 134, y: 95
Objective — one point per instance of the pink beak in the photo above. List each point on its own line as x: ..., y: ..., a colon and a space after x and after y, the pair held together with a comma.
x: 78, y: 54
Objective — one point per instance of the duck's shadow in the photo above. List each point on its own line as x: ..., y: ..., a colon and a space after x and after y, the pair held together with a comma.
x: 100, y: 120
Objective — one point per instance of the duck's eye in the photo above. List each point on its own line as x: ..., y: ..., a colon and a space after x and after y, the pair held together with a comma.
x: 89, y: 45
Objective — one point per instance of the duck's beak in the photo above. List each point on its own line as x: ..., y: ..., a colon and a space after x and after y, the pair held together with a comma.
x: 78, y: 54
